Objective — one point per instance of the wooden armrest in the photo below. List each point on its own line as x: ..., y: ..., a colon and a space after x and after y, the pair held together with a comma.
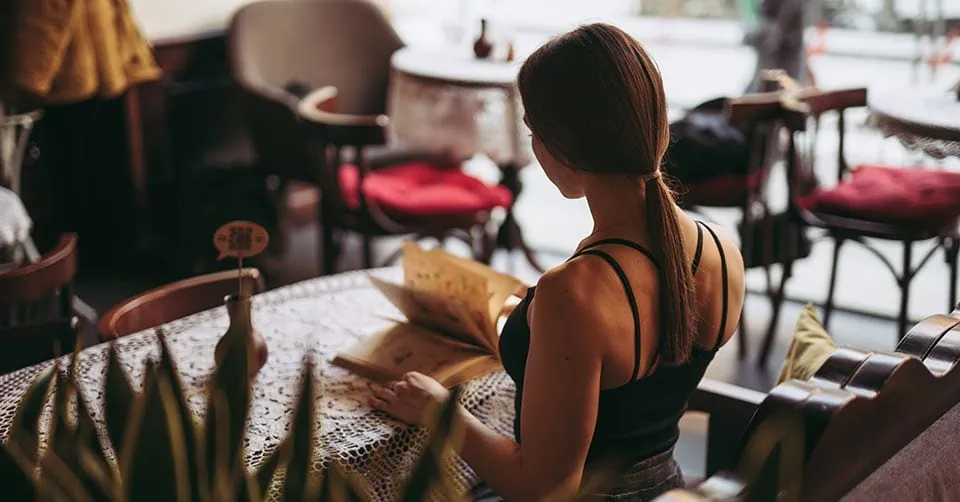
x: 382, y: 157
x: 730, y: 410
x: 319, y: 107
x: 716, y: 397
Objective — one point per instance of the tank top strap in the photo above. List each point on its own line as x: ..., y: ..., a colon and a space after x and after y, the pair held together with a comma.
x: 698, y: 254
x: 621, y: 242
x: 725, y: 284
x: 631, y: 298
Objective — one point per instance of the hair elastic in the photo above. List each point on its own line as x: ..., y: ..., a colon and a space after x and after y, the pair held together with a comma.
x: 648, y: 177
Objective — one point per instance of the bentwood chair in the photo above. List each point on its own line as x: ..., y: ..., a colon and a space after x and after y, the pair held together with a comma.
x: 907, y: 205
x: 173, y: 301
x: 314, y: 75
x: 43, y: 290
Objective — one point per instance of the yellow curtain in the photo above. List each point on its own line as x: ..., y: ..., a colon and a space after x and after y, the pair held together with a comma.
x: 66, y: 51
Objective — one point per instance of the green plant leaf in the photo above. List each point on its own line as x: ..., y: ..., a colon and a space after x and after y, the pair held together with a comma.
x: 26, y: 419
x: 149, y: 460
x: 233, y: 378
x: 118, y: 398
x: 168, y: 369
x: 259, y: 483
x: 300, y: 484
x: 428, y: 473
x: 339, y: 486
x: 17, y: 484
x: 93, y: 466
x: 222, y: 481
x: 601, y: 477
x: 173, y: 416
x: 55, y: 480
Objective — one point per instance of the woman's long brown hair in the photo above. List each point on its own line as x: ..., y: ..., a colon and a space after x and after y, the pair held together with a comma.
x: 595, y: 98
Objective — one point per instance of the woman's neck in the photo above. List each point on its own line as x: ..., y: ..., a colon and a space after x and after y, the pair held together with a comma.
x: 617, y: 204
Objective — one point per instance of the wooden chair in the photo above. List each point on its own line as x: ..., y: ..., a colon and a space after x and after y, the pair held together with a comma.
x: 858, y: 413
x: 307, y: 113
x: 756, y: 116
x: 856, y: 224
x: 28, y: 344
x: 350, y: 191
x: 40, y: 291
x: 173, y: 301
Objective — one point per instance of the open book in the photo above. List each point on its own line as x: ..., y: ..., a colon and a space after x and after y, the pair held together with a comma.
x: 451, y: 306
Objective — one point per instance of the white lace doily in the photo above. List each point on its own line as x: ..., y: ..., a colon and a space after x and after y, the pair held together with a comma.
x: 447, y: 100
x: 316, y: 319
x: 926, y: 120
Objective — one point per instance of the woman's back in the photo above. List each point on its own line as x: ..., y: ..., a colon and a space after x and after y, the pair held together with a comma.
x: 641, y: 400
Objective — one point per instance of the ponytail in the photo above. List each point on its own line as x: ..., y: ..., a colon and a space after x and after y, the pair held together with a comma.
x: 677, y: 309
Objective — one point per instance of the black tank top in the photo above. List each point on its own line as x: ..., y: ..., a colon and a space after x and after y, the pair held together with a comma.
x: 640, y: 418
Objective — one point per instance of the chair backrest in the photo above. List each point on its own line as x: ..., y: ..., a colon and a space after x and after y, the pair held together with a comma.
x: 29, y: 344
x: 40, y: 291
x: 859, y: 411
x: 173, y: 301
x: 275, y: 45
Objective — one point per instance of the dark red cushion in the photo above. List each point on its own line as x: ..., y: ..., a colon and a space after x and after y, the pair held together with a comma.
x: 726, y: 190
x: 900, y: 196
x: 421, y: 190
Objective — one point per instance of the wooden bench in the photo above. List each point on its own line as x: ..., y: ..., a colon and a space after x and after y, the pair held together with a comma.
x: 865, y: 416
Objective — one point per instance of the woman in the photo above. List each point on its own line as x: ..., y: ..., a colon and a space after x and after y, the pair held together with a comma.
x: 607, y: 348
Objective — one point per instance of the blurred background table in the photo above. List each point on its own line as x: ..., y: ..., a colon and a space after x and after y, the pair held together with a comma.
x: 924, y: 119
x: 450, y: 100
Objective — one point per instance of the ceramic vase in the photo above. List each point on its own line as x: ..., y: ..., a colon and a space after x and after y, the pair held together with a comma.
x: 482, y: 47
x: 241, y: 328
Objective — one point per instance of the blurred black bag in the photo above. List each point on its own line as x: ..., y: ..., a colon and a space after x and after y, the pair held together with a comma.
x: 704, y: 145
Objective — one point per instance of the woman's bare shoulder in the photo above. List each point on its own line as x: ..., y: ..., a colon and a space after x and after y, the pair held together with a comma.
x: 576, y: 291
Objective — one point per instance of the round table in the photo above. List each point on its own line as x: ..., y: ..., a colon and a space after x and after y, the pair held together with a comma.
x: 925, y: 119
x: 450, y: 100
x: 316, y: 319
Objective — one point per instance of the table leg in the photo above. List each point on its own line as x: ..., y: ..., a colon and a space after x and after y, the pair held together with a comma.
x: 510, y: 234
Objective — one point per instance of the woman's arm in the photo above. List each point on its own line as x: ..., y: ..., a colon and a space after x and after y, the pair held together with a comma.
x: 560, y: 398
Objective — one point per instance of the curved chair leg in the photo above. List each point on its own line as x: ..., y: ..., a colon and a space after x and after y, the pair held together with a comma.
x: 329, y: 249
x: 952, y: 254
x: 742, y: 336
x: 828, y: 306
x: 367, y: 252
x: 905, y: 281
x: 776, y: 303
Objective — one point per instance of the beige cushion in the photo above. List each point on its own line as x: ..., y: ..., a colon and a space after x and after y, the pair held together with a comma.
x: 809, y: 349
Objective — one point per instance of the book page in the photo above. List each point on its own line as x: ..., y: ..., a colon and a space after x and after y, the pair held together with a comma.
x: 423, y: 271
x: 405, y: 347
x: 432, y: 311
x: 500, y: 286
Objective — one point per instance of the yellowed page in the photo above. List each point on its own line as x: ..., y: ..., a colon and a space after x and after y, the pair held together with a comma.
x: 423, y: 271
x: 500, y: 286
x: 435, y: 312
x: 405, y: 347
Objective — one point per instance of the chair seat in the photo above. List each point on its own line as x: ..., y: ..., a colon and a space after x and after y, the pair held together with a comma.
x: 417, y: 190
x: 916, y: 199
x: 725, y: 190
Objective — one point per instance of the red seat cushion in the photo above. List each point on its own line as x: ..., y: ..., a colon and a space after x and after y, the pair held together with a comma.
x: 726, y: 190
x: 913, y: 196
x: 417, y: 190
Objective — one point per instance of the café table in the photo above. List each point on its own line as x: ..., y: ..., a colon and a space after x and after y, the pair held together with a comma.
x: 312, y: 319
x: 923, y: 119
x: 448, y: 99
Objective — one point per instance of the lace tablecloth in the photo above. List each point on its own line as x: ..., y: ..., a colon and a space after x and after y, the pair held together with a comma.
x: 450, y: 100
x: 927, y: 120
x: 315, y: 318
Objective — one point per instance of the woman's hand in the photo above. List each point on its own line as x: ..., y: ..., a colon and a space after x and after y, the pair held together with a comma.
x: 411, y: 398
